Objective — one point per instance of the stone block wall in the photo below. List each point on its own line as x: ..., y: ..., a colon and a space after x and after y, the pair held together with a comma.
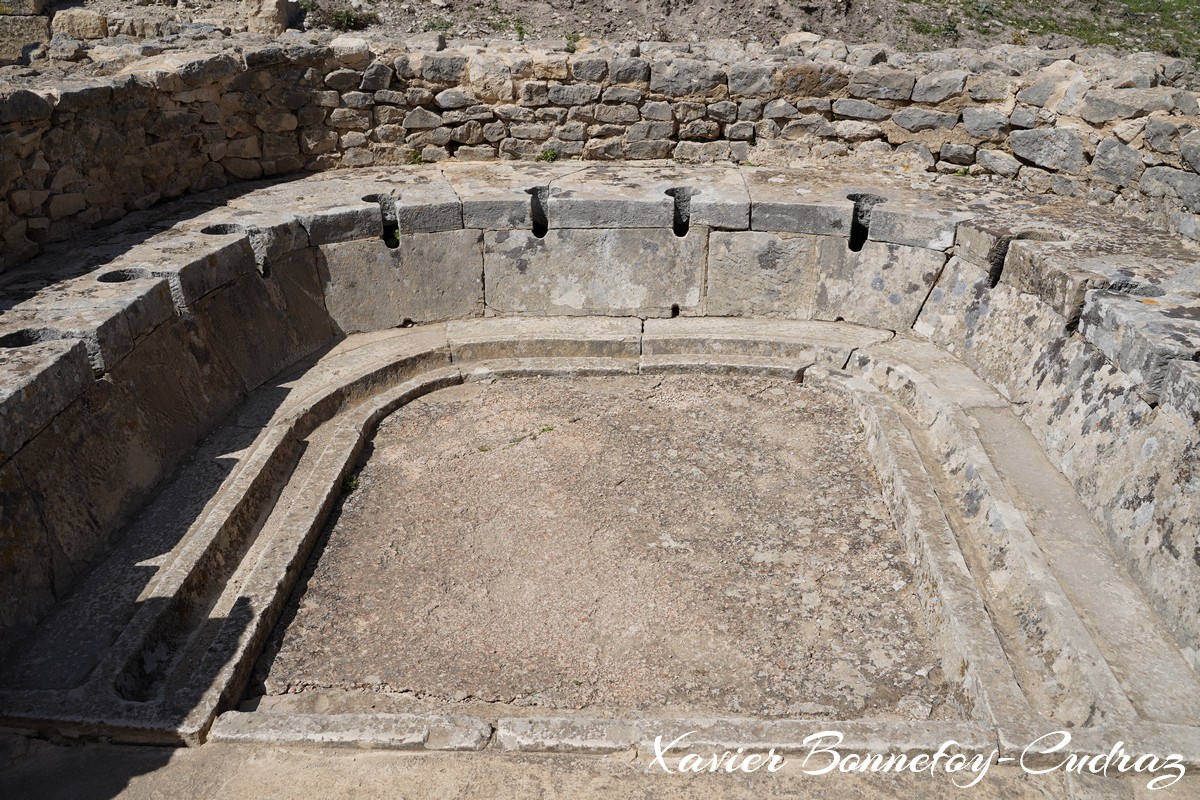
x: 23, y: 26
x: 1081, y: 123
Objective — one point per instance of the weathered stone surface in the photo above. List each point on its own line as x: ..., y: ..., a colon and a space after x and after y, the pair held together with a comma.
x: 754, y: 273
x: 1116, y: 162
x: 1142, y: 339
x: 427, y: 277
x: 79, y: 23
x: 19, y: 35
x: 1059, y: 149
x: 421, y: 119
x: 681, y: 77
x: 22, y: 105
x: 489, y: 78
x: 919, y: 119
x: 1190, y: 150
x: 915, y: 225
x: 984, y: 123
x: 884, y: 83
x: 1169, y: 182
x: 998, y: 162
x: 938, y: 87
x: 574, y: 272
x: 25, y: 8
x: 1106, y: 105
x: 38, y: 379
x: 351, y: 51
x: 860, y: 109
x: 883, y: 285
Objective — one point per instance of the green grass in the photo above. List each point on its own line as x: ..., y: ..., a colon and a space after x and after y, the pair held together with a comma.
x: 1166, y: 26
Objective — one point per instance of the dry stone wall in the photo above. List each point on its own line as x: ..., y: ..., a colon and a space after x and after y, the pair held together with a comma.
x: 1082, y: 123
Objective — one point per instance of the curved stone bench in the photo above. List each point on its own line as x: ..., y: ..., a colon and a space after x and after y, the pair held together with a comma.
x: 988, y: 320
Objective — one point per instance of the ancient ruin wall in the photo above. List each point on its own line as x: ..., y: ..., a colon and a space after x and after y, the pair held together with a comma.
x: 1068, y: 122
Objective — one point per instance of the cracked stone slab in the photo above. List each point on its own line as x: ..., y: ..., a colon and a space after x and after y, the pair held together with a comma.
x: 883, y: 285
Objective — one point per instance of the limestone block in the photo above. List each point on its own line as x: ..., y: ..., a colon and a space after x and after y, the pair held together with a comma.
x: 860, y: 109
x: 23, y: 8
x: 204, y: 262
x: 498, y: 197
x: 915, y: 225
x: 1106, y: 105
x: 38, y: 379
x: 266, y: 16
x: 1170, y: 182
x: 1058, y: 149
x: 937, y: 87
x: 882, y: 286
x: 1051, y: 272
x: 753, y: 273
x: 883, y: 83
x: 427, y: 277
x: 802, y: 342
x: 79, y: 23
x: 260, y: 324
x: 544, y: 337
x: 919, y: 119
x: 351, y: 51
x: 624, y: 197
x: 627, y: 70
x: 440, y: 67
x: 113, y: 446
x: 422, y: 202
x: 998, y: 162
x: 489, y: 78
x: 680, y: 77
x: 109, y: 315
x: 1190, y: 150
x: 1142, y: 339
x: 574, y: 272
x: 19, y: 35
x: 984, y: 123
x: 342, y: 223
x: 749, y: 79
x: 778, y: 204
x: 1117, y: 163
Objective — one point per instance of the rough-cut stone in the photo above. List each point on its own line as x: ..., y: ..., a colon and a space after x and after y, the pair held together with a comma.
x: 1170, y: 182
x: 883, y: 83
x: 1190, y: 150
x: 681, y: 77
x: 20, y: 35
x: 998, y: 162
x: 860, y: 109
x: 1059, y: 149
x: 919, y: 119
x: 1117, y: 163
x: 984, y: 123
x: 938, y: 87
x: 80, y: 23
